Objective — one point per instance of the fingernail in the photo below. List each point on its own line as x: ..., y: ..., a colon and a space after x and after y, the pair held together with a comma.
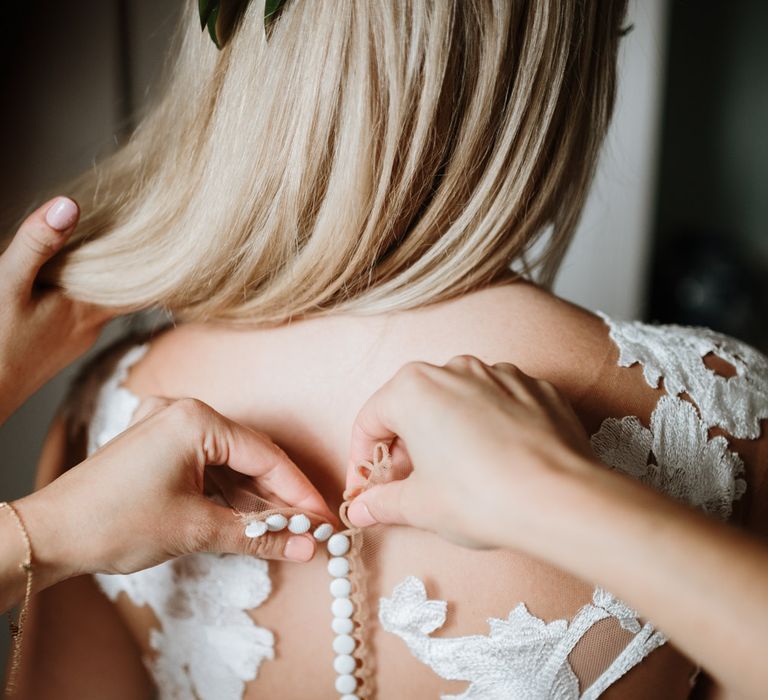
x: 299, y: 548
x: 61, y: 214
x: 359, y: 515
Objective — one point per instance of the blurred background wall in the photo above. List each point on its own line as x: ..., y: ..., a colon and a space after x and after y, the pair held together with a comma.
x: 675, y: 225
x: 606, y: 267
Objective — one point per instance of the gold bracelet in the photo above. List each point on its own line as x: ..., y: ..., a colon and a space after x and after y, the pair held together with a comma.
x: 17, y: 628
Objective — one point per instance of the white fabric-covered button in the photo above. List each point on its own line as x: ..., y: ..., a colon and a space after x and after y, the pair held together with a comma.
x: 255, y: 529
x: 338, y: 566
x: 344, y: 644
x: 341, y: 588
x: 323, y: 532
x: 276, y: 521
x: 299, y: 524
x: 344, y: 663
x: 342, y: 625
x: 346, y: 683
x: 338, y: 545
x: 342, y: 607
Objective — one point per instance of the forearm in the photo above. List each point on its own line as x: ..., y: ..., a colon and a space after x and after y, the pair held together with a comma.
x: 702, y: 582
x: 19, y: 378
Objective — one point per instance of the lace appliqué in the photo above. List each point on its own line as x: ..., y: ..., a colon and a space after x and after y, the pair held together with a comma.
x: 664, y: 456
x: 522, y: 657
x: 207, y: 646
x: 676, y: 353
x: 114, y: 404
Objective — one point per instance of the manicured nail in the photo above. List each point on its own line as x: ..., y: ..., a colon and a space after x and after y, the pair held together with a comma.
x: 299, y: 548
x: 61, y: 214
x: 359, y: 515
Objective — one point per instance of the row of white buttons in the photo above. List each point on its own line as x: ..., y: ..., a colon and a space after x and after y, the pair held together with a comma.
x: 298, y: 525
x: 342, y: 608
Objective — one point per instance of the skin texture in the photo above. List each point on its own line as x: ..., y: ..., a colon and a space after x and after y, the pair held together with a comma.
x: 534, y: 459
x: 304, y: 385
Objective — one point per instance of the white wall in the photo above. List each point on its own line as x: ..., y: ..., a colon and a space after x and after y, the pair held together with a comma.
x: 606, y: 266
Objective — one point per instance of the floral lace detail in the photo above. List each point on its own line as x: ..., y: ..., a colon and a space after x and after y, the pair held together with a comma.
x: 522, y: 657
x: 207, y: 646
x: 662, y: 456
x: 675, y: 353
x: 114, y: 405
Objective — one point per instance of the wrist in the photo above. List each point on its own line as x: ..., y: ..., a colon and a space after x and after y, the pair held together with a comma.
x: 583, y: 513
x: 13, y: 557
x: 51, y: 560
x: 556, y: 502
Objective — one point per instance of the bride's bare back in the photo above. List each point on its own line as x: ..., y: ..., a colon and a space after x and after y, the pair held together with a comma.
x: 303, y: 385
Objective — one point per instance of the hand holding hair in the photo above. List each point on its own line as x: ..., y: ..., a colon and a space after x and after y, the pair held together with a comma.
x: 41, y: 330
x: 494, y: 458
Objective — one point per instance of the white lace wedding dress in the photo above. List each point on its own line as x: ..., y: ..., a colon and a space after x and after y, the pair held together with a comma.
x: 208, y: 647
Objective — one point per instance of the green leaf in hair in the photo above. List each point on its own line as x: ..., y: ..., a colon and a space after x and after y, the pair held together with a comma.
x: 270, y: 7
x: 209, y: 14
x: 205, y: 7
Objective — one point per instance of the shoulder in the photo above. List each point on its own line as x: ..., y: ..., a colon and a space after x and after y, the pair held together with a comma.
x: 705, y: 439
x: 683, y: 409
x: 725, y: 378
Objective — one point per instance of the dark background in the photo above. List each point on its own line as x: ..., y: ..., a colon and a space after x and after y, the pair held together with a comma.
x: 710, y: 239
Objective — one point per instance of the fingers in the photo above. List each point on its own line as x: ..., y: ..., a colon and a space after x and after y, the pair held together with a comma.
x: 149, y: 407
x: 382, y: 415
x: 514, y: 381
x: 39, y: 238
x: 528, y: 390
x: 226, y: 535
x: 373, y: 424
x: 253, y: 454
x: 256, y: 455
x: 387, y: 503
x: 416, y: 387
x: 100, y: 315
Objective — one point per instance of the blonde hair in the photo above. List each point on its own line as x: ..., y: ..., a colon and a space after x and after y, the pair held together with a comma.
x: 370, y: 156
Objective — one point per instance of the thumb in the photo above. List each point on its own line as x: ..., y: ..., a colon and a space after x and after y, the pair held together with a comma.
x: 39, y: 238
x: 392, y: 503
x: 224, y: 533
